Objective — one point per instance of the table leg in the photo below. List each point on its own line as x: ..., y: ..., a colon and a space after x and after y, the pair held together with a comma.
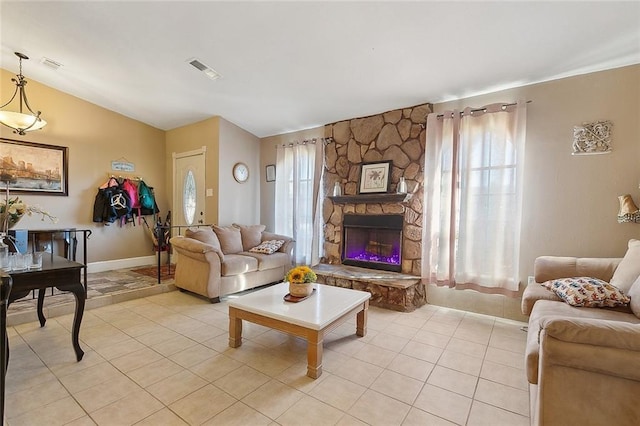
x: 77, y: 320
x: 5, y: 289
x: 41, y: 317
x: 235, y: 331
x: 361, y: 320
x: 314, y: 354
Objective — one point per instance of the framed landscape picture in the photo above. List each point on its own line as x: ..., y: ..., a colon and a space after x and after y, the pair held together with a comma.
x: 374, y: 177
x: 33, y: 168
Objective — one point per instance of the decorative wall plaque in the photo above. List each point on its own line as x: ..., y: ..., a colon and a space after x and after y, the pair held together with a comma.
x: 592, y: 138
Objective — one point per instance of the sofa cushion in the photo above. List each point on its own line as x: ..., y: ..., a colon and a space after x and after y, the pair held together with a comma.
x: 207, y: 236
x: 270, y: 261
x: 634, y: 294
x: 235, y: 264
x: 588, y: 292
x: 251, y: 235
x: 629, y: 268
x: 230, y: 239
x: 267, y: 247
x: 547, y: 268
x: 547, y: 309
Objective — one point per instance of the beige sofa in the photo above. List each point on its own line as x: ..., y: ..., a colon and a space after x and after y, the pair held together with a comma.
x: 216, y: 261
x: 583, y: 364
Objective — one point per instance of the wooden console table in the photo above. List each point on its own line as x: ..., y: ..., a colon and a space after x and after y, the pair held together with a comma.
x: 70, y: 238
x: 56, y: 272
x: 5, y: 289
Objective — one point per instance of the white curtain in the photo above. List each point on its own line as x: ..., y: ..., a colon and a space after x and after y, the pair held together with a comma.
x: 299, y: 167
x: 473, y: 197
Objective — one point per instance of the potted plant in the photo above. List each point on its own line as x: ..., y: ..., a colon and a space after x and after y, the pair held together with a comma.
x: 301, y: 279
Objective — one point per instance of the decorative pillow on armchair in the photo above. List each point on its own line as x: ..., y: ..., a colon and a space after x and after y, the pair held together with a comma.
x: 588, y: 292
x: 634, y: 295
x: 629, y: 268
x: 268, y: 247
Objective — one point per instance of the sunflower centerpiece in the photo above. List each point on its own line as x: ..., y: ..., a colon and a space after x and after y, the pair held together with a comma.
x: 301, y: 279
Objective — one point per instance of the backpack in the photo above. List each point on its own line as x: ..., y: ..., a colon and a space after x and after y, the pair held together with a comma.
x: 132, y: 191
x: 145, y: 195
x: 120, y: 204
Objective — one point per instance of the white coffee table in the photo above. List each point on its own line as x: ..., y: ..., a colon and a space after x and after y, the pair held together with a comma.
x: 311, y: 319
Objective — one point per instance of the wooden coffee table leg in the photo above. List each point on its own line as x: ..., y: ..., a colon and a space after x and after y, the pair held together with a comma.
x: 314, y: 354
x: 235, y: 330
x: 361, y: 320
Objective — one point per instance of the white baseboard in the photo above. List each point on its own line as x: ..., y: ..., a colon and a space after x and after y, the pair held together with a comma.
x: 132, y: 262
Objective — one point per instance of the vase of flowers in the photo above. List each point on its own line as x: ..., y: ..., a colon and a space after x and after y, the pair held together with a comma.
x: 13, y: 209
x: 301, y: 279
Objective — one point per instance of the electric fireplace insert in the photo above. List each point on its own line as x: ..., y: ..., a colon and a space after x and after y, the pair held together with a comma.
x: 372, y: 241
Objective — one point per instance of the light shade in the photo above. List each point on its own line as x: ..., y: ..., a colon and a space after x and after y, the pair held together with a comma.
x: 20, y: 121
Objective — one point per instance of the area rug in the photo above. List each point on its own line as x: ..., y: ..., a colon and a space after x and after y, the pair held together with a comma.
x: 152, y: 271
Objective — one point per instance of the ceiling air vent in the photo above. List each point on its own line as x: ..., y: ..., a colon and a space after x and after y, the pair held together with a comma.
x: 50, y: 63
x: 210, y: 72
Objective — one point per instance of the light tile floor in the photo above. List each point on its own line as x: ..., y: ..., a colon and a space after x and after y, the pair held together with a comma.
x: 165, y: 360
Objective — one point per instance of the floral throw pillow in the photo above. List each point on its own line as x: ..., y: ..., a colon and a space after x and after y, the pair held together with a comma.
x: 588, y: 292
x: 268, y: 247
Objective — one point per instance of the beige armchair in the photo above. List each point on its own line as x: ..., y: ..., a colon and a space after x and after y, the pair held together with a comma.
x: 583, y: 364
x: 214, y: 264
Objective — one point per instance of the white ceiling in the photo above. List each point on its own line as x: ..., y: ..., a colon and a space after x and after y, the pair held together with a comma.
x: 293, y: 65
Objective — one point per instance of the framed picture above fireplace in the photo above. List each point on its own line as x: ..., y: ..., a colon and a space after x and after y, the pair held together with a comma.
x: 374, y: 177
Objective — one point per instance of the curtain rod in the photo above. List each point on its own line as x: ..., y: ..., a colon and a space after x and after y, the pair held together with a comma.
x: 484, y: 109
x: 306, y: 141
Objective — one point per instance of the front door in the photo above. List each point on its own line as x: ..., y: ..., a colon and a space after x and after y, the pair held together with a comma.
x: 189, y: 191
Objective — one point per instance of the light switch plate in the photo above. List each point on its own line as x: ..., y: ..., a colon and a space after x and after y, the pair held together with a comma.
x: 209, y: 192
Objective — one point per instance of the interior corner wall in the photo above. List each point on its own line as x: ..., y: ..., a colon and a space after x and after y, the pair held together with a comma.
x: 239, y: 202
x: 94, y: 137
x: 193, y: 137
x: 268, y: 156
x: 570, y: 203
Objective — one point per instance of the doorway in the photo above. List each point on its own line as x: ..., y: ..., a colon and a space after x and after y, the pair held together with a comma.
x: 189, y: 188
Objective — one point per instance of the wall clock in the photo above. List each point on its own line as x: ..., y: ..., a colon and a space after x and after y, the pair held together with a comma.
x: 240, y: 172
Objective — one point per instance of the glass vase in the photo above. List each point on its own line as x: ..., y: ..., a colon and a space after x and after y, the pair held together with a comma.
x: 402, y: 186
x: 337, y: 190
x: 4, y: 253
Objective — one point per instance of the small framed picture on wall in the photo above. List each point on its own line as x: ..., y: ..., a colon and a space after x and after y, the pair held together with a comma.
x: 374, y: 177
x: 271, y: 172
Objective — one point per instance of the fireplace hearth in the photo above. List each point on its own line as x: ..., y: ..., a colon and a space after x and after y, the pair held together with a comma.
x: 373, y: 241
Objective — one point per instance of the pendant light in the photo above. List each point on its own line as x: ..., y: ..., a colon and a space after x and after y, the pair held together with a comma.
x: 19, y: 121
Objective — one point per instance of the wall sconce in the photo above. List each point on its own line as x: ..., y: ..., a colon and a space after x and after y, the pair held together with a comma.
x: 628, y: 212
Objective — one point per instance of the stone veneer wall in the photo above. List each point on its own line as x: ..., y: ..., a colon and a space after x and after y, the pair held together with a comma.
x: 397, y: 135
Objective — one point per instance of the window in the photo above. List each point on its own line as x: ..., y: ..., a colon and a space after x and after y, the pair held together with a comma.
x: 473, y: 175
x: 296, y: 199
x: 189, y: 197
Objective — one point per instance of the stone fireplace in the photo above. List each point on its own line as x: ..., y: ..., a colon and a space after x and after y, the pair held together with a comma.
x: 380, y: 231
x: 399, y: 136
x: 372, y: 241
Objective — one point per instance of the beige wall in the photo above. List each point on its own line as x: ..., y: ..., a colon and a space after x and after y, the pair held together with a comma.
x: 193, y: 137
x: 239, y: 202
x: 268, y: 156
x: 570, y: 202
x: 95, y: 136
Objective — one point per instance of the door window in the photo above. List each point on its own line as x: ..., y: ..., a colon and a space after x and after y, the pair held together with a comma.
x: 189, y: 198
